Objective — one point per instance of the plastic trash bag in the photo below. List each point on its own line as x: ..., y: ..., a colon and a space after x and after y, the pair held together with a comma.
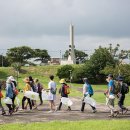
x: 17, y: 101
x: 45, y: 95
x: 31, y: 95
x: 66, y: 101
x: 7, y: 100
x: 111, y: 97
x: 90, y: 101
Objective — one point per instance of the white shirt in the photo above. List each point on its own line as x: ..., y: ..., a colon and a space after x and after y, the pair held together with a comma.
x: 51, y: 85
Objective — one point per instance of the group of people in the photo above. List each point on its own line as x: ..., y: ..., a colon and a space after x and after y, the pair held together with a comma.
x: 116, y: 88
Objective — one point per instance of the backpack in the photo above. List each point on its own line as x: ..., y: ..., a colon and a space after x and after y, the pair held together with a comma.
x: 40, y: 87
x: 89, y: 89
x: 66, y: 89
x: 53, y: 91
x: 116, y: 88
x: 125, y: 88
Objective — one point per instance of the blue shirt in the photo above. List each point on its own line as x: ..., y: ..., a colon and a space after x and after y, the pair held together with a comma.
x: 89, y: 88
x: 111, y: 85
x: 9, y: 90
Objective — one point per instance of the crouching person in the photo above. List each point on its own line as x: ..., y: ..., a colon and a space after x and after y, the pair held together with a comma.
x: 26, y: 88
x: 87, y: 91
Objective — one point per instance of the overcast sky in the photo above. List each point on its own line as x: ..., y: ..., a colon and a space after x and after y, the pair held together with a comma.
x: 45, y: 24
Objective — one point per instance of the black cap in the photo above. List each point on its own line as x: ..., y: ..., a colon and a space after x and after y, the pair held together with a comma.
x: 119, y: 78
x: 110, y: 75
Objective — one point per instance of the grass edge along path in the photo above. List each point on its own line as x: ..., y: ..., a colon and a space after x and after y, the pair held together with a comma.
x: 71, y: 125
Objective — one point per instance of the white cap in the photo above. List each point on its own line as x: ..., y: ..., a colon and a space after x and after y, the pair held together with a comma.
x: 11, y: 78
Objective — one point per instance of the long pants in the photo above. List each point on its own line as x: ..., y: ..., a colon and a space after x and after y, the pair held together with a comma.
x: 61, y: 105
x: 2, y: 108
x: 10, y: 107
x: 121, y: 102
x: 29, y: 101
x: 83, y: 105
x: 13, y: 99
x: 40, y: 97
x: 110, y: 104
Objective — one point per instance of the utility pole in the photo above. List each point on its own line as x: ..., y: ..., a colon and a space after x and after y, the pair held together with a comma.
x: 70, y: 76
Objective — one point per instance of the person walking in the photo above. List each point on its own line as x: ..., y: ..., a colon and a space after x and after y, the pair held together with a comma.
x: 87, y: 91
x: 52, y: 93
x: 26, y: 88
x: 39, y: 89
x: 121, y: 94
x: 13, y: 85
x: 110, y: 96
x: 9, y: 94
x: 1, y: 96
x: 63, y: 92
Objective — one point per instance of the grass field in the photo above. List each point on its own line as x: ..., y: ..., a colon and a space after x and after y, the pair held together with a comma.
x: 77, y: 125
x: 43, y: 72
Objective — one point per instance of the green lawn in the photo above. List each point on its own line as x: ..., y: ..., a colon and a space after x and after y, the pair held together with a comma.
x: 77, y: 125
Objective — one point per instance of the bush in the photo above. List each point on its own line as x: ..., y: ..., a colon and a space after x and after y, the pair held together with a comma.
x: 64, y: 71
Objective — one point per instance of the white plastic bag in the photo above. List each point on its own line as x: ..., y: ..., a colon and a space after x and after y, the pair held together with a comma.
x: 7, y: 100
x: 45, y: 95
x: 111, y: 97
x: 90, y: 101
x: 31, y: 95
x: 66, y: 101
x: 17, y: 101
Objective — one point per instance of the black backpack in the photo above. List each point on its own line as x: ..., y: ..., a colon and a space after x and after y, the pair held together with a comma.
x: 125, y: 88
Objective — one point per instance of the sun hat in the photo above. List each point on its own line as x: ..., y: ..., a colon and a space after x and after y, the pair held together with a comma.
x: 62, y: 81
x: 26, y: 80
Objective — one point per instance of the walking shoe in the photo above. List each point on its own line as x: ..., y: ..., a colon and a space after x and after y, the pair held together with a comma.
x: 94, y: 111
x: 10, y: 112
x: 50, y: 111
x: 69, y: 109
x: 116, y: 113
x: 125, y: 111
x: 112, y: 115
x: 3, y: 113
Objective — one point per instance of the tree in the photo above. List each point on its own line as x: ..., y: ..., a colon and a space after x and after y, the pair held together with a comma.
x: 79, y: 55
x: 41, y: 55
x: 100, y: 59
x: 4, y: 61
x: 19, y: 54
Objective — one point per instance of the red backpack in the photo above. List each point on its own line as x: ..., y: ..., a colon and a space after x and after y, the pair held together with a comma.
x: 66, y: 89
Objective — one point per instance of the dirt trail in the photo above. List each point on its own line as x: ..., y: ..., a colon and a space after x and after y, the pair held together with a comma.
x: 42, y: 115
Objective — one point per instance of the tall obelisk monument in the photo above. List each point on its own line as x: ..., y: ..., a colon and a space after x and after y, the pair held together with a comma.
x: 71, y: 57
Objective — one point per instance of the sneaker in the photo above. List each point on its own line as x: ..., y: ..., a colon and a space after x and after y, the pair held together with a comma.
x: 3, y: 113
x: 50, y: 111
x: 94, y: 111
x: 112, y: 115
x: 116, y: 113
x: 125, y: 111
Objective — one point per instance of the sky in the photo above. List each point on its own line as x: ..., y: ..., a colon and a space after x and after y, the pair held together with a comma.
x: 45, y: 24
